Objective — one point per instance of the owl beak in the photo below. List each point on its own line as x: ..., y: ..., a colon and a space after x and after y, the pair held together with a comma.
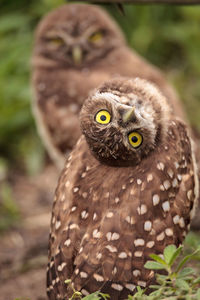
x: 128, y: 115
x: 77, y: 55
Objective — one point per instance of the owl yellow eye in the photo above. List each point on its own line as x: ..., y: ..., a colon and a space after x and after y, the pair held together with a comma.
x: 56, y: 41
x: 103, y: 117
x: 135, y: 139
x: 96, y: 37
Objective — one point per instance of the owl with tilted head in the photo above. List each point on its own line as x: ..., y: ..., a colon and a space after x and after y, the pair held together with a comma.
x: 128, y: 189
x: 77, y: 47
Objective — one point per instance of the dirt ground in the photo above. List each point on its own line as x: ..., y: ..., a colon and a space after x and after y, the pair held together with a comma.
x: 23, y: 250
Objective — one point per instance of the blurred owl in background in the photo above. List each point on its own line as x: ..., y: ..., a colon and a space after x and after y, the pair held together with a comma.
x: 77, y: 47
x: 128, y: 189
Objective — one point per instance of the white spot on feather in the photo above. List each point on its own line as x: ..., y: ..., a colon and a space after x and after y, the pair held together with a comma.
x: 139, y: 242
x: 98, y: 277
x: 117, y: 287
x: 58, y: 224
x: 175, y: 183
x: 109, y: 214
x: 130, y: 286
x: 111, y: 248
x: 84, y: 292
x: 161, y: 236
x: 67, y: 242
x: 147, y: 226
x: 149, y: 177
x: 61, y: 267
x: 73, y: 208
x: 181, y: 222
x: 130, y: 220
x: 96, y: 234
x: 176, y: 219
x: 136, y: 273
x: 169, y: 231
x: 156, y: 199
x: 160, y: 166
x: 142, y: 209
x: 150, y: 244
x: 116, y: 200
x: 122, y: 255
x: 138, y: 253
x: 166, y: 184
x: 75, y: 189
x: 166, y: 206
x: 142, y: 283
x: 83, y: 275
x: 84, y: 214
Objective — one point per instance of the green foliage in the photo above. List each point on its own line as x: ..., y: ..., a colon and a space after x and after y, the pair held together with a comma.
x: 180, y: 282
x: 18, y: 139
x: 192, y: 241
x: 97, y: 296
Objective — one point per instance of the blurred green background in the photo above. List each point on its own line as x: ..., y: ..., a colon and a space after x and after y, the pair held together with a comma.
x: 168, y: 36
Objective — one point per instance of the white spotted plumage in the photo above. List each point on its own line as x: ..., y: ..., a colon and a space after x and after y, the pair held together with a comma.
x: 102, y: 241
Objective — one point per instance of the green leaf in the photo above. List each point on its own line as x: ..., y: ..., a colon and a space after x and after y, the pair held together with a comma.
x: 186, y: 272
x: 96, y: 296
x: 68, y: 281
x: 93, y: 296
x: 182, y: 284
x: 175, y: 255
x: 140, y: 291
x: 196, y: 281
x: 162, y: 277
x: 169, y: 252
x: 198, y: 294
x: 153, y: 265
x: 156, y: 294
x: 154, y: 286
x: 186, y: 259
x: 158, y: 259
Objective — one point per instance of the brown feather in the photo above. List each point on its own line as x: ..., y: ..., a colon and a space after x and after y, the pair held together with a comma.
x: 108, y: 219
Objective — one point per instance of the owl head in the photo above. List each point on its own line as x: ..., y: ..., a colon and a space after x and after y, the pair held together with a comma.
x: 124, y: 120
x: 77, y: 35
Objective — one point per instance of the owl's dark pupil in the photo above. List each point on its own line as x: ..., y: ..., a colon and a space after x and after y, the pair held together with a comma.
x: 103, y: 118
x: 134, y: 139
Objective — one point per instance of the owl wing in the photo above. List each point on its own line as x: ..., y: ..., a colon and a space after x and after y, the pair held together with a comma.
x: 56, y: 106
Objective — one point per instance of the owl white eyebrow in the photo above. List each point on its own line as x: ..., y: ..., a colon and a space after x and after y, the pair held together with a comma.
x: 107, y: 96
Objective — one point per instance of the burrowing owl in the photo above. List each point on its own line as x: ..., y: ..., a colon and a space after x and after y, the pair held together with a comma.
x: 128, y: 189
x: 78, y: 47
